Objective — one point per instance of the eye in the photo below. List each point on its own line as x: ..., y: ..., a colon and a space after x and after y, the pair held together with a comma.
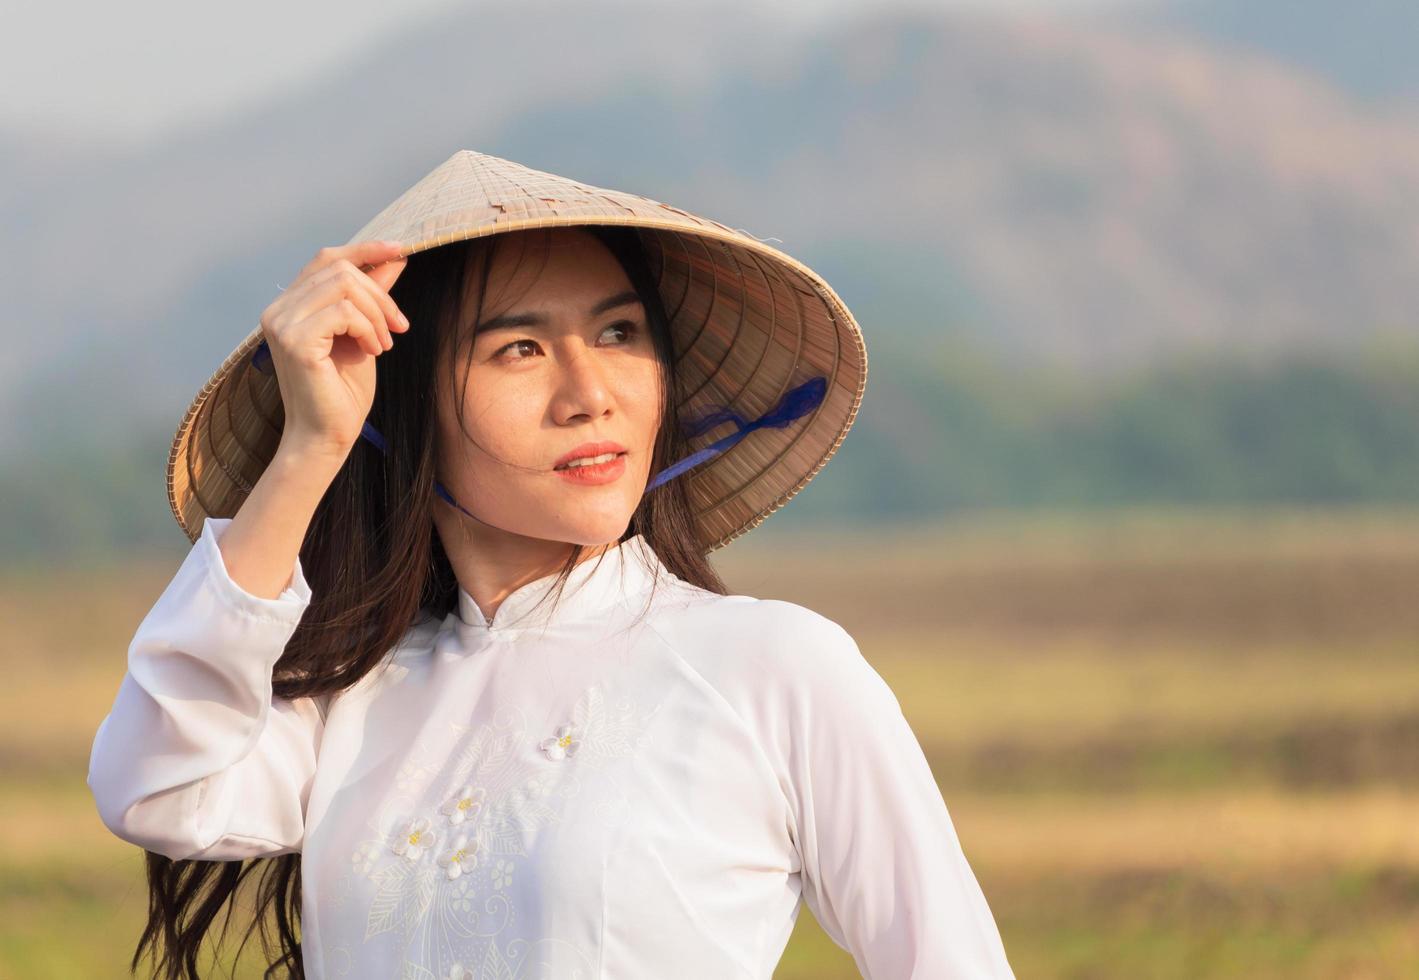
x: 516, y: 343
x: 628, y: 328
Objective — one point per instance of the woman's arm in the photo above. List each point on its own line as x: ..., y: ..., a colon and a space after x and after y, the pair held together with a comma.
x: 883, y: 870
x: 197, y: 759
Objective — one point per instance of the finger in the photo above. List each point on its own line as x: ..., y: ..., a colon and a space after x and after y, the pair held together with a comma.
x: 370, y: 252
x: 372, y: 301
x: 344, y: 317
x: 345, y: 281
x: 393, y: 317
x: 383, y: 276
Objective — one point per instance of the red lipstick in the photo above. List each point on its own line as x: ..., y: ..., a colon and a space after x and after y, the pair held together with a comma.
x: 593, y: 473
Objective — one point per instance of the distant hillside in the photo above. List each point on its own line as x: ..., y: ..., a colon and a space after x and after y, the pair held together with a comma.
x: 1370, y: 47
x: 1057, y: 193
x: 944, y: 428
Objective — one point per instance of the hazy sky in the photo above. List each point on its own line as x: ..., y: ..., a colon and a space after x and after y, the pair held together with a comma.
x: 126, y: 70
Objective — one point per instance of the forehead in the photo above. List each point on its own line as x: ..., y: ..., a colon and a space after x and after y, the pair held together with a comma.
x: 543, y: 268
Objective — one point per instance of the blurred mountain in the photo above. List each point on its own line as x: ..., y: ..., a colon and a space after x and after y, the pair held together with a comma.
x: 1090, y: 195
x: 1368, y: 47
x: 945, y: 429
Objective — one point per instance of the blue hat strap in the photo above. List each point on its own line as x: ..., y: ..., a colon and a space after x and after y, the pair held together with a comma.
x: 370, y: 433
x: 795, y: 403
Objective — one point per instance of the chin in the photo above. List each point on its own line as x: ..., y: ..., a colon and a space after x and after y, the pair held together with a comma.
x: 592, y: 530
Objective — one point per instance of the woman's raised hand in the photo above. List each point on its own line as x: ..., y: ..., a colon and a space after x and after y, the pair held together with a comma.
x: 324, y: 332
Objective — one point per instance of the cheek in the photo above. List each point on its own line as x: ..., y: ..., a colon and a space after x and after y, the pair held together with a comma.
x: 496, y: 420
x: 645, y: 400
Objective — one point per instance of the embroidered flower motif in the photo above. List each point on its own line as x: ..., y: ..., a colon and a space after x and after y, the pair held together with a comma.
x: 416, y: 838
x: 365, y: 857
x: 562, y: 745
x: 426, y: 913
x: 465, y: 804
x: 502, y: 874
x: 461, y: 858
x: 461, y: 895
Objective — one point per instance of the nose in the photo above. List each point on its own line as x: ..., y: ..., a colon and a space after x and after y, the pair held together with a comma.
x: 584, y: 389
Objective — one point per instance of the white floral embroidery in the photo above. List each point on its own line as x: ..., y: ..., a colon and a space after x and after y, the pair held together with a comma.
x: 463, y: 893
x: 562, y: 745
x: 605, y: 734
x: 416, y: 838
x: 464, y: 805
x: 481, y: 796
x: 365, y: 857
x: 461, y: 858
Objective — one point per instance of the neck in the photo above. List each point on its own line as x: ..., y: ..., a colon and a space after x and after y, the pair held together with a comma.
x: 490, y: 564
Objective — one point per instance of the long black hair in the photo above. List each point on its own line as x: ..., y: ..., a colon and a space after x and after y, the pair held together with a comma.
x: 376, y: 567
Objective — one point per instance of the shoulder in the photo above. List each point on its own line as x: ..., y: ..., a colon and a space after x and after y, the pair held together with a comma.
x: 742, y: 623
x: 764, y: 647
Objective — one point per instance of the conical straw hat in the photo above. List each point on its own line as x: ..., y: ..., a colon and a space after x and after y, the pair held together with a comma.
x: 748, y: 324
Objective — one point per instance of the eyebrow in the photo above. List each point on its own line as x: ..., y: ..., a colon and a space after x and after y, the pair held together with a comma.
x: 514, y: 320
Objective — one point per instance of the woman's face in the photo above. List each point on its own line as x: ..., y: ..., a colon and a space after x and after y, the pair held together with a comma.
x: 563, y: 357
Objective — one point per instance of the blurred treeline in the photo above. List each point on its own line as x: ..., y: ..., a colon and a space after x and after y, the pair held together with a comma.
x: 944, y: 429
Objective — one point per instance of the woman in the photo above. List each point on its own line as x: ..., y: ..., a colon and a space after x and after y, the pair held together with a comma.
x: 456, y: 671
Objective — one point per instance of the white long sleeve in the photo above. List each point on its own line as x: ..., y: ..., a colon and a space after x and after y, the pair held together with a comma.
x: 880, y: 865
x: 197, y: 758
x: 642, y: 779
x: 883, y: 870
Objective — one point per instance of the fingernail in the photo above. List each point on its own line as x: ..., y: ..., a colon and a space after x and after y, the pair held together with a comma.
x: 403, y: 319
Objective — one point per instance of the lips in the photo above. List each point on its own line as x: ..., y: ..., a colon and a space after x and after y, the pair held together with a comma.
x: 589, y: 449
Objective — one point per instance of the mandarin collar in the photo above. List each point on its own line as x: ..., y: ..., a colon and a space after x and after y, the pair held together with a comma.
x: 593, y: 587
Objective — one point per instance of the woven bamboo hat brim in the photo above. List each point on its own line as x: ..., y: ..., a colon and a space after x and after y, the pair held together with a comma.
x: 748, y: 323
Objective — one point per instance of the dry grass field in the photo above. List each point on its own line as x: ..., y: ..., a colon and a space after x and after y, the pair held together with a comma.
x: 1173, y: 745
